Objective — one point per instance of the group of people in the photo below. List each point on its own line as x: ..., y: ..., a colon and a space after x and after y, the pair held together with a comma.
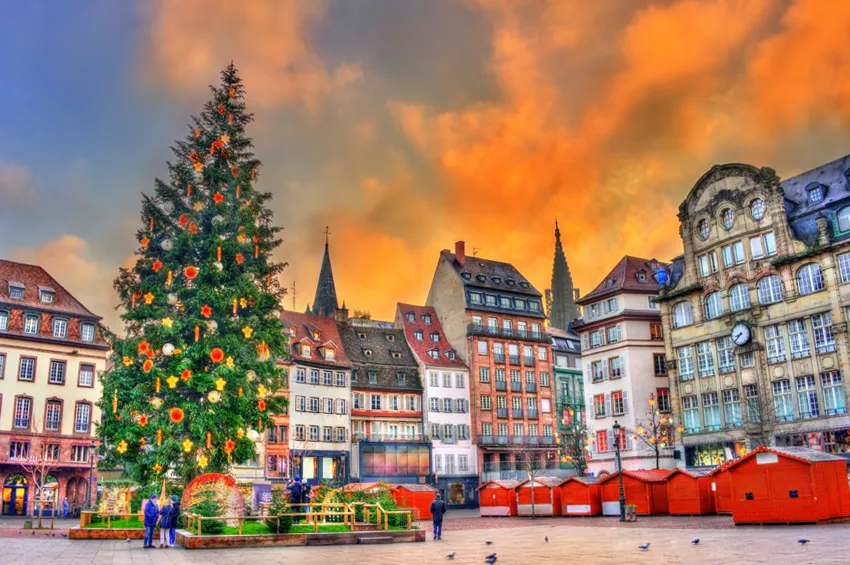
x: 166, y: 518
x: 300, y: 493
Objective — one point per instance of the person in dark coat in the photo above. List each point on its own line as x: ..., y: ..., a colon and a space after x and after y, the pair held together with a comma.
x: 438, y: 508
x: 151, y: 517
x: 65, y: 508
x: 296, y: 497
x: 175, y: 517
x: 165, y: 523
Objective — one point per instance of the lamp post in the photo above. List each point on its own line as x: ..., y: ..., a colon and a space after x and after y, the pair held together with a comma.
x: 91, y: 474
x: 620, y: 472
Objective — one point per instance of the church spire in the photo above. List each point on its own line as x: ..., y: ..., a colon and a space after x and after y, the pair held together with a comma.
x: 325, y: 303
x: 560, y: 297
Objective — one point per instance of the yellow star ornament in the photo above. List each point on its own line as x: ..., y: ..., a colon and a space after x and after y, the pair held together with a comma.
x: 198, y: 206
x: 202, y: 462
x: 157, y: 468
x: 261, y: 391
x: 127, y: 361
x: 225, y: 138
x: 172, y: 381
x: 243, y: 303
x: 220, y: 384
x: 167, y: 322
x: 248, y: 332
x: 230, y: 362
x: 148, y: 298
x: 145, y: 241
x: 122, y: 447
x: 187, y: 445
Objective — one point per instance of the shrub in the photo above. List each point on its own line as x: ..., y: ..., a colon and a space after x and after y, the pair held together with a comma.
x: 209, y: 508
x: 277, y: 507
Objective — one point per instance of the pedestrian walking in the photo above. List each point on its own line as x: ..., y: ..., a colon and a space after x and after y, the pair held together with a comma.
x: 438, y: 508
x: 151, y: 517
x: 175, y: 517
x: 165, y: 523
x: 65, y: 508
x: 296, y: 497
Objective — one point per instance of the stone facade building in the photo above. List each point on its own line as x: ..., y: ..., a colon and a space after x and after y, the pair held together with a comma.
x: 755, y: 312
x: 51, y: 352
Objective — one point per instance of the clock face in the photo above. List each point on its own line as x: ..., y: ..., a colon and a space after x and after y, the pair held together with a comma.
x: 741, y: 334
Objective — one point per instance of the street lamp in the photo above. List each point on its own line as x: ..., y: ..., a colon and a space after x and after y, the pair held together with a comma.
x: 91, y: 474
x: 620, y: 472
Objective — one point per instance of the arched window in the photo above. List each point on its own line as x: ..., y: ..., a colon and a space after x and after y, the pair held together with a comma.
x: 757, y: 209
x: 728, y: 218
x: 844, y: 219
x: 809, y: 279
x: 713, y: 306
x: 683, y: 315
x: 770, y: 289
x: 739, y: 297
x: 702, y: 229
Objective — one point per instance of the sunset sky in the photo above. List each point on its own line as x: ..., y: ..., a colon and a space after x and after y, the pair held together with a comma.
x: 407, y: 125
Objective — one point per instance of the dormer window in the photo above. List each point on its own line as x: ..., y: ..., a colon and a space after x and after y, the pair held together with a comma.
x: 815, y: 194
x: 523, y: 284
x: 481, y: 278
x: 373, y: 377
x: 433, y: 354
x: 367, y: 352
x: 87, y: 332
x: 411, y: 317
x: 475, y: 298
x: 316, y: 335
x: 451, y: 355
x: 330, y: 353
x: 534, y: 306
x: 505, y: 302
x: 291, y: 331
x: 361, y: 335
x: 435, y: 336
x: 46, y: 296
x: 396, y: 355
x: 489, y: 300
x: 510, y: 282
x: 305, y: 350
x: 467, y: 276
x: 390, y: 337
x: 402, y: 378
x: 519, y: 304
x: 16, y: 291
x: 426, y: 318
x: 496, y: 280
x: 418, y: 335
x: 30, y: 324
x: 641, y: 276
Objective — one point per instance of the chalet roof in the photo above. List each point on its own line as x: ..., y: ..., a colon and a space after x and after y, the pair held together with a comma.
x: 801, y: 454
x: 546, y: 481
x: 509, y: 484
x: 624, y: 278
x: 691, y: 472
x: 305, y: 325
x: 645, y: 475
x: 33, y: 279
x: 421, y: 347
x: 383, y: 352
x: 583, y: 480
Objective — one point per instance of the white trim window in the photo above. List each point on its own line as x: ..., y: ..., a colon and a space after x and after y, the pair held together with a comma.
x: 713, y: 306
x: 770, y: 289
x: 807, y: 397
x: 833, y: 393
x: 4, y: 320
x: 705, y: 359
x: 783, y: 402
x: 87, y: 332
x: 725, y: 355
x: 82, y: 418
x: 690, y: 411
x: 30, y: 324
x: 844, y: 219
x: 775, y: 342
x: 732, y: 408
x: 711, y: 411
x: 798, y: 336
x: 686, y: 363
x: 683, y: 315
x: 57, y: 373
x: 60, y: 328
x: 809, y: 279
x: 824, y: 336
x: 843, y: 263
x: 739, y: 297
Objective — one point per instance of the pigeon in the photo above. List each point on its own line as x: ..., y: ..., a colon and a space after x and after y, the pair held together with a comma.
x: 803, y: 541
x: 491, y: 556
x: 53, y: 535
x: 490, y: 560
x: 488, y: 542
x: 129, y: 540
x: 33, y: 533
x: 63, y: 535
x: 644, y: 546
x: 451, y: 555
x: 696, y: 541
x: 546, y: 539
x: 19, y: 532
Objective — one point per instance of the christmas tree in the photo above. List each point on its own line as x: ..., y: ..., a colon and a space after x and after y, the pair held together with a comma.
x: 194, y: 378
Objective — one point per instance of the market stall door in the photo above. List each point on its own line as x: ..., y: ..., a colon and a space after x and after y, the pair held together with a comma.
x: 15, y: 495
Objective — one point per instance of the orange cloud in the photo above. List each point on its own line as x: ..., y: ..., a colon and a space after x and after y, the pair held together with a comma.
x: 270, y: 42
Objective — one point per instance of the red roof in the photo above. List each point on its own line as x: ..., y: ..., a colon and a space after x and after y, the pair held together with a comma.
x: 645, y: 475
x: 800, y: 454
x: 34, y: 279
x: 624, y: 277
x: 544, y: 481
x: 421, y: 347
x: 305, y: 325
x: 693, y: 473
x: 583, y: 480
x: 508, y: 484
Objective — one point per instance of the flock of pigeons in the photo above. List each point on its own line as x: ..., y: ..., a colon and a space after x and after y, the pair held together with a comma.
x: 645, y: 546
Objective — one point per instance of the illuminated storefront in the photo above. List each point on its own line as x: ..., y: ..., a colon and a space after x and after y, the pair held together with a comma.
x: 395, y: 462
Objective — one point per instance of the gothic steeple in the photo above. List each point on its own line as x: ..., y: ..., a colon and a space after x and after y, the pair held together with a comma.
x: 325, y: 303
x: 560, y: 297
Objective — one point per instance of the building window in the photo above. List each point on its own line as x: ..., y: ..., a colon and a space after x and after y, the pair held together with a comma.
x: 489, y: 300
x: 544, y: 379
x: 314, y: 433
x: 686, y: 362
x: 340, y: 379
x: 824, y: 337
x: 486, y: 403
x: 27, y: 370
x: 80, y: 453
x: 599, y: 405
x: 51, y: 452
x: 728, y: 218
x: 327, y: 434
x: 748, y: 359
x: 775, y: 343
x: 733, y: 254
x: 655, y: 331
x: 725, y: 355
x: 597, y: 338
x: 833, y: 394
x: 705, y: 359
x: 60, y: 328
x: 87, y: 332
x: 315, y: 404
x: 330, y: 354
x: 448, y: 405
x: 426, y: 319
x: 19, y: 450
x: 505, y: 302
x: 482, y: 347
x: 340, y: 435
x: 614, y: 369
x: 618, y: 406
x: 602, y: 441
x: 447, y: 380
x: 598, y: 371
x: 328, y: 405
x: 300, y: 404
x: 662, y: 396
x: 4, y: 320
x: 86, y: 378
x: 460, y: 380
x: 783, y: 403
x: 659, y: 362
x: 30, y: 324
x: 23, y: 412
x: 713, y: 306
x: 300, y: 375
x: 770, y: 289
x: 691, y: 413
x: 57, y: 373
x: 434, y: 379
x: 807, y: 397
x: 613, y: 334
x: 305, y: 350
x: 751, y: 394
x: 739, y: 297
x: 732, y: 408
x: 703, y: 229
x: 82, y: 418
x: 484, y: 374
x: 435, y: 336
x: 809, y: 278
x: 815, y: 195
x: 327, y: 378
x: 799, y: 339
x: 757, y: 209
x: 373, y: 378
x: 411, y: 317
x: 463, y: 463
x: 53, y: 416
x: 541, y: 354
x: 844, y: 219
x: 683, y: 315
x: 434, y: 404
x: 376, y: 402
x: 16, y: 292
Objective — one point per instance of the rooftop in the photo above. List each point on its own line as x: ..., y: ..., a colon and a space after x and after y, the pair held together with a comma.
x: 34, y: 280
x: 420, y: 334
x: 382, y: 353
x: 318, y: 331
x: 631, y: 274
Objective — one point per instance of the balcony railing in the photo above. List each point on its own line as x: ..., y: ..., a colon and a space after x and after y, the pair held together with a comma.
x: 501, y: 412
x: 516, y: 386
x: 529, y: 361
x: 516, y: 440
x: 498, y: 466
x: 530, y: 387
x: 499, y: 357
x: 532, y: 414
x: 501, y: 385
x: 480, y: 329
x: 514, y: 359
x: 388, y: 437
x: 517, y: 413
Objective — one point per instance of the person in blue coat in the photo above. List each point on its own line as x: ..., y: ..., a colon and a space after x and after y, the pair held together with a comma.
x: 151, y: 517
x: 165, y: 523
x: 65, y: 508
x: 175, y: 518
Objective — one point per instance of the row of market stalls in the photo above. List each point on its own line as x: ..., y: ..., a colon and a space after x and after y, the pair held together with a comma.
x: 768, y: 485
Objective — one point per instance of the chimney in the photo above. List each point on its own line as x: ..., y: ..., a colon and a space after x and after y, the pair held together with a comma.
x: 460, y: 252
x: 576, y: 294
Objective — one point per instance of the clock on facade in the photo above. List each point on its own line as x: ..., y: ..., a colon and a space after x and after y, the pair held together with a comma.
x: 741, y: 334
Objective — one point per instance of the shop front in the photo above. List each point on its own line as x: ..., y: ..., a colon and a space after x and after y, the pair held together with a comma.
x: 713, y: 454
x: 458, y: 492
x: 830, y: 441
x: 15, y: 495
x: 394, y: 462
x: 318, y: 467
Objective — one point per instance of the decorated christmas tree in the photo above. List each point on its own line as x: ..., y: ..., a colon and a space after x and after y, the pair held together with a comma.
x: 194, y: 378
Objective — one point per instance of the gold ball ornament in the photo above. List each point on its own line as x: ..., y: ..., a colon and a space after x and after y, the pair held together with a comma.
x: 214, y: 396
x: 172, y: 299
x: 156, y: 402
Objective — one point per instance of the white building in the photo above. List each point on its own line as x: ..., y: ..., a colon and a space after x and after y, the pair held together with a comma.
x: 625, y: 369
x: 446, y: 409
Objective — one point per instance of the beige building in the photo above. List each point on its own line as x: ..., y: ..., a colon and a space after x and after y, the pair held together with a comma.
x: 51, y: 352
x: 755, y: 312
x: 622, y: 354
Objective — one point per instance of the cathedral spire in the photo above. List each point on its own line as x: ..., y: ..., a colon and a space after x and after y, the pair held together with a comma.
x: 325, y: 303
x: 560, y: 297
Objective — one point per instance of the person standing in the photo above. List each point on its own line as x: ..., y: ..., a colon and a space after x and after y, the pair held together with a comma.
x: 438, y: 509
x: 165, y: 523
x: 296, y: 497
x: 151, y: 517
x: 175, y: 517
x: 65, y: 508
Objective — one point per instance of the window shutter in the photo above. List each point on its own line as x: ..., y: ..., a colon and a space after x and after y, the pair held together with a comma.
x: 585, y: 341
x: 619, y: 332
x: 611, y: 439
x: 588, y: 375
x: 608, y: 410
x: 625, y: 402
x: 622, y: 365
x: 628, y: 440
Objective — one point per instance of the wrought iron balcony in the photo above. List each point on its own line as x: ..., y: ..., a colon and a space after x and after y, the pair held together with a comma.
x: 499, y: 357
x: 517, y: 413
x: 501, y: 385
x: 532, y: 414
x: 516, y: 386
x: 524, y: 335
x: 516, y: 440
x: 530, y: 387
x: 501, y: 412
x: 514, y: 359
